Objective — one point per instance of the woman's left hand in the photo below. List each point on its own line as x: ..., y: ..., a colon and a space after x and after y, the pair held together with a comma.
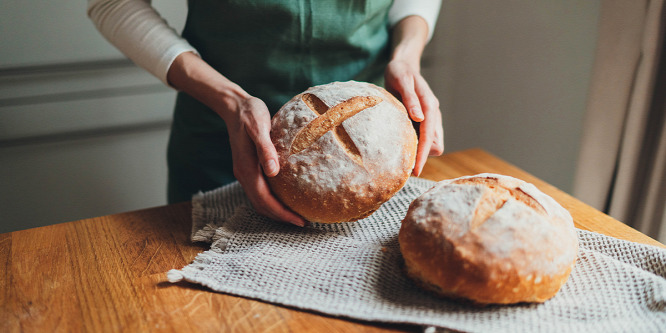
x: 405, y: 81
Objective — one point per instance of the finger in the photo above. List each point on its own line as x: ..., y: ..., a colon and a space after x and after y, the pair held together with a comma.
x: 433, y: 115
x: 437, y: 146
x: 404, y: 86
x: 427, y: 98
x: 268, y: 205
x: 411, y: 100
x: 256, y: 121
x: 278, y: 212
x: 422, y: 149
x: 434, y: 132
x: 428, y: 140
x: 247, y: 171
x: 267, y: 155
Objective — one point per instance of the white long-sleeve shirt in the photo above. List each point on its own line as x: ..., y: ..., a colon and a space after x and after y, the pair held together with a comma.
x: 139, y: 32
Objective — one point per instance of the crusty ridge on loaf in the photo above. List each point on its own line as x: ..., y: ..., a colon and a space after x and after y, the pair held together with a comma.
x: 330, y: 119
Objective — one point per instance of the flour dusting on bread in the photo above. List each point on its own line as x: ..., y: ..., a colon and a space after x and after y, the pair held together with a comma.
x: 489, y: 238
x: 361, y: 159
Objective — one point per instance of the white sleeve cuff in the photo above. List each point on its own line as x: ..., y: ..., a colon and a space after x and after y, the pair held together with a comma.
x: 139, y: 32
x: 427, y: 9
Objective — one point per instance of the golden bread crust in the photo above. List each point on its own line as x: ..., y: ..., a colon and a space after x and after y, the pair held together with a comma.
x: 490, y: 239
x: 344, y: 148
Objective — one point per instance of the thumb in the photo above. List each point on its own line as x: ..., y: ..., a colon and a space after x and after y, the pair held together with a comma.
x: 257, y: 123
x: 267, y: 154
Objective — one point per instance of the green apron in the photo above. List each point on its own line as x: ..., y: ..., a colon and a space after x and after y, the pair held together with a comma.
x: 274, y: 50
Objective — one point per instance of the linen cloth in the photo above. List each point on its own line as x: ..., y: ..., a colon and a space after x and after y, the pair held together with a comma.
x: 355, y: 270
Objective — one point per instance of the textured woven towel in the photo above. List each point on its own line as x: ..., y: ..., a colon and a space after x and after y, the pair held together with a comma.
x: 354, y: 270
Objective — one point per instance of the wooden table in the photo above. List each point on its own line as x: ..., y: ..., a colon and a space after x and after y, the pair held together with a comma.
x: 108, y: 273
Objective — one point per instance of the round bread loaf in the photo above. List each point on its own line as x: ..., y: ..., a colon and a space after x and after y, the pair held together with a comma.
x: 345, y: 148
x: 489, y: 239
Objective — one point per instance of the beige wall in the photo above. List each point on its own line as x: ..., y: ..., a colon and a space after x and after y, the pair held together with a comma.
x: 83, y: 133
x: 512, y: 78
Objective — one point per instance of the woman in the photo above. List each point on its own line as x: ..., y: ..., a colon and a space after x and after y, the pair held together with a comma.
x: 238, y: 61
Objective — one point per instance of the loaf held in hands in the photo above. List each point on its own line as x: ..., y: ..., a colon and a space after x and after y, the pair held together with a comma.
x: 489, y: 239
x: 344, y: 148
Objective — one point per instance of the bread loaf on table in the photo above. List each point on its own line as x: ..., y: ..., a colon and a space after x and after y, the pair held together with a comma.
x: 489, y: 239
x: 344, y: 149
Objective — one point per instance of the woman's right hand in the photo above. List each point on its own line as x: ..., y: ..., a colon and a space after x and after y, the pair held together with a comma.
x: 253, y: 151
x: 248, y: 123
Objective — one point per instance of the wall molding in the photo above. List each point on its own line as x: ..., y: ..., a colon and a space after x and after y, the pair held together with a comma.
x: 69, y: 101
x: 86, y: 134
x: 79, y: 95
x: 65, y: 67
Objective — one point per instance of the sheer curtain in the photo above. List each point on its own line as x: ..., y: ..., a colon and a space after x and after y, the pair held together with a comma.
x: 622, y: 163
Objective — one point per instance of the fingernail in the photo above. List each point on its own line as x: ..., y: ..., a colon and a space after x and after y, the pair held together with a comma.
x: 300, y: 223
x: 418, y: 114
x: 271, y: 167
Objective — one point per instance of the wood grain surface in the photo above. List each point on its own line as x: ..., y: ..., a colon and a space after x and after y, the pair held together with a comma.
x: 107, y: 274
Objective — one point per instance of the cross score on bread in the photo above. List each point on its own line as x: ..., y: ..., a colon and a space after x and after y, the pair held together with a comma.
x: 496, y: 197
x: 344, y: 149
x: 489, y: 238
x: 330, y: 119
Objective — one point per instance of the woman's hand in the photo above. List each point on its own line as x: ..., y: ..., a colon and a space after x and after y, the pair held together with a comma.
x: 403, y: 79
x: 252, y: 151
x: 248, y: 123
x: 422, y: 106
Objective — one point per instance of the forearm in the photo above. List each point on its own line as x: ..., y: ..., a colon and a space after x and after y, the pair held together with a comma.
x: 248, y: 123
x: 403, y: 78
x: 409, y: 38
x: 192, y: 75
